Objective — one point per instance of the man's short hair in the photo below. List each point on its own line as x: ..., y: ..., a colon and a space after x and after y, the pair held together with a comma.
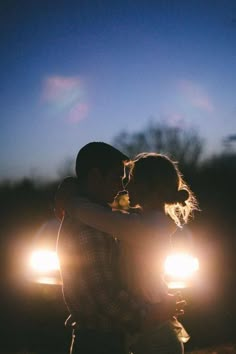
x: 97, y: 155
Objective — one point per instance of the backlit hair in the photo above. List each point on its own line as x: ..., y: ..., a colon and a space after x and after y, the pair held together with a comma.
x: 163, y: 183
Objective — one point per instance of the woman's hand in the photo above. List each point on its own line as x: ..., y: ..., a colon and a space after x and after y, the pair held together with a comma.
x: 164, y: 311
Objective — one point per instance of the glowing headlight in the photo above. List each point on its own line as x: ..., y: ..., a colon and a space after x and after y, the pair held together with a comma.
x: 180, y: 268
x: 181, y: 265
x: 44, y: 261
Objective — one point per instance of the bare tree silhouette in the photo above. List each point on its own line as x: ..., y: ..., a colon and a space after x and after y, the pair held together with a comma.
x: 182, y: 145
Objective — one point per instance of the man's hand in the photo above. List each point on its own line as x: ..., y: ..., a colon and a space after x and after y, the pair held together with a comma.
x: 164, y: 311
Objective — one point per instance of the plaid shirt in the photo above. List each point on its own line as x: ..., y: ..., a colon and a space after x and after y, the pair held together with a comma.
x: 91, y: 285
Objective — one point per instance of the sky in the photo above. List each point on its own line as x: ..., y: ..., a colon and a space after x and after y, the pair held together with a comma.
x: 79, y: 71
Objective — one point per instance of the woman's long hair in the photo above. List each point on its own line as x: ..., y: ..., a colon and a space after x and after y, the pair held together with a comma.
x: 163, y: 184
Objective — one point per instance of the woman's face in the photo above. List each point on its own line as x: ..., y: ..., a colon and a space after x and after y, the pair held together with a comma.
x: 135, y: 191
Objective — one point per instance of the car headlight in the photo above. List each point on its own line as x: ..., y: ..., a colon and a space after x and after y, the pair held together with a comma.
x: 44, y: 261
x: 179, y: 269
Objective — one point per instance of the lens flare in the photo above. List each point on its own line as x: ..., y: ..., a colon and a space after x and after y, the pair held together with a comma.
x: 65, y: 96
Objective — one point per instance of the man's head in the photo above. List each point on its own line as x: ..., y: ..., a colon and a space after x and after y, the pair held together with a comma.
x: 100, y: 169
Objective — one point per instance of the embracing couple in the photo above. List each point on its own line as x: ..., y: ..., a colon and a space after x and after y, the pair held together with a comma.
x: 111, y: 261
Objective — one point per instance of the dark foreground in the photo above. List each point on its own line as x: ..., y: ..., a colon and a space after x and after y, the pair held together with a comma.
x: 33, y: 315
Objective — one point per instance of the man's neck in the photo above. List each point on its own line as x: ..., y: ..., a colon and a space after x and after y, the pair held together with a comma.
x: 83, y: 192
x: 95, y: 199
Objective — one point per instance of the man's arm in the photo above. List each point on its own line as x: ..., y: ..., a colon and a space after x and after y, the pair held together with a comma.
x: 163, y: 311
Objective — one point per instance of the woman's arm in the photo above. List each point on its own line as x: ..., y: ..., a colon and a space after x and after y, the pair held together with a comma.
x: 125, y: 226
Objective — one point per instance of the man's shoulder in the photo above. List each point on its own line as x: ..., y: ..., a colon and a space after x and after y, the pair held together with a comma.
x: 81, y: 230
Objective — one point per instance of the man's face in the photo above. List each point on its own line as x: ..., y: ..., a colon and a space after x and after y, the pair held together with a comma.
x: 112, y: 183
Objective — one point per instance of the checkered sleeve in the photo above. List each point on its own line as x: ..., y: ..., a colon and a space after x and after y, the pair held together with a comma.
x: 112, y: 302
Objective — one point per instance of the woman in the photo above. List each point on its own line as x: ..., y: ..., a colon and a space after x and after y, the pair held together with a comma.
x: 157, y: 187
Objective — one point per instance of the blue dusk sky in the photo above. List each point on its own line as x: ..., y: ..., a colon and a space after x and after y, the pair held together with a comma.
x: 79, y: 71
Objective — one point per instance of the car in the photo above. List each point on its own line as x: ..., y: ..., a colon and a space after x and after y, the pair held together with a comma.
x: 179, y: 268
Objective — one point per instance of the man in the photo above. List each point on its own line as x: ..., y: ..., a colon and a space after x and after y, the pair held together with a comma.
x: 101, y: 311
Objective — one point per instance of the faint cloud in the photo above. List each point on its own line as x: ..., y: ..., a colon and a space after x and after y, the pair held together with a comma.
x: 229, y: 140
x: 196, y: 95
x: 65, y: 96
